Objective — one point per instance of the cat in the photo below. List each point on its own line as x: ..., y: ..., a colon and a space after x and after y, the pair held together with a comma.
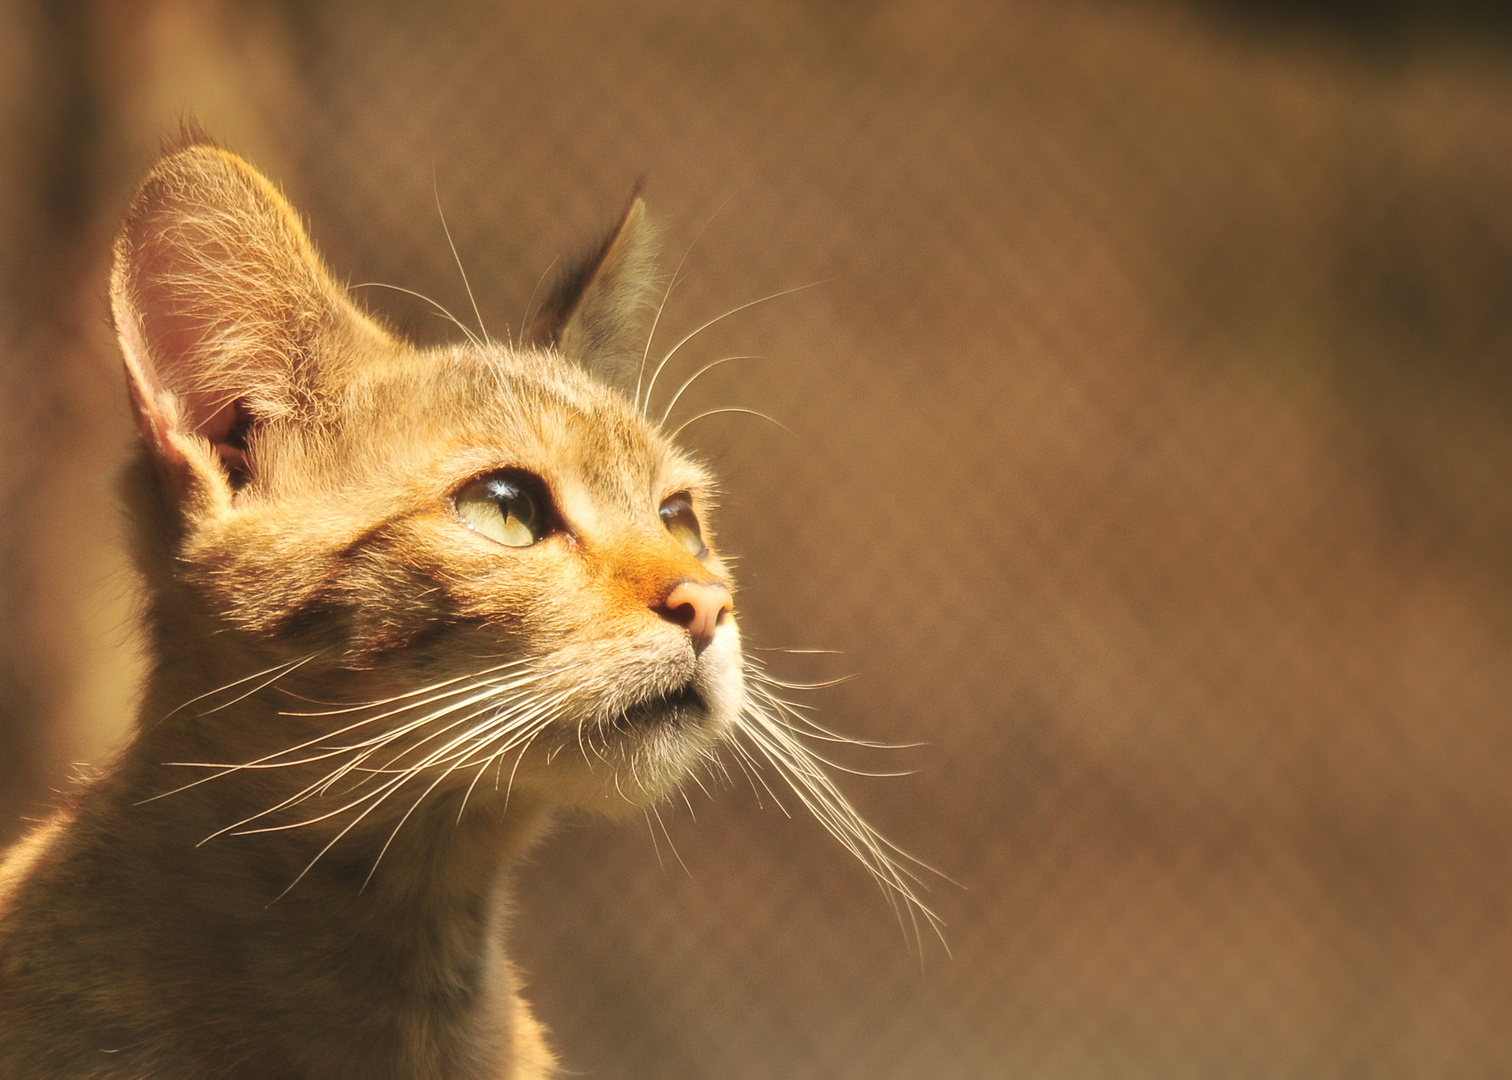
x: 400, y: 605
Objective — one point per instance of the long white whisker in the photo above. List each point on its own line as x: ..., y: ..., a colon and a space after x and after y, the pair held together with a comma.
x: 436, y: 191
x: 671, y: 284
x: 754, y: 773
x: 471, y: 677
x: 770, y: 735
x: 675, y: 853
x: 522, y: 738
x: 509, y: 787
x: 694, y: 777
x: 328, y: 846
x: 690, y: 380
x: 719, y: 318
x: 490, y: 694
x: 269, y: 760
x: 376, y: 798
x: 795, y: 760
x: 415, y: 805
x: 530, y: 304
x: 282, y: 669
x: 792, y: 652
x: 715, y: 412
x: 483, y: 768
x: 421, y: 296
x: 656, y: 847
x: 822, y: 799
x: 805, y: 725
x: 762, y: 675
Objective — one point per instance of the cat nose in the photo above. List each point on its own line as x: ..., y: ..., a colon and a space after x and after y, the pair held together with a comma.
x: 698, y: 606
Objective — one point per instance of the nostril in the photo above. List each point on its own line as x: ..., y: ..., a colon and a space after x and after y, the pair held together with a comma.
x: 698, y: 607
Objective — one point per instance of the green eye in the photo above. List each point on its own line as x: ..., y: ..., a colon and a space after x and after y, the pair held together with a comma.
x: 677, y: 514
x: 509, y: 507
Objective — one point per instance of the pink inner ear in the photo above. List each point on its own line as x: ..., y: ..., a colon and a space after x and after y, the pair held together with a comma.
x: 180, y: 323
x: 176, y: 349
x: 169, y: 353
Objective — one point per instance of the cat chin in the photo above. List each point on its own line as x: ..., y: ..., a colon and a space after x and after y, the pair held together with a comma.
x: 635, y: 770
x: 678, y: 708
x: 640, y: 756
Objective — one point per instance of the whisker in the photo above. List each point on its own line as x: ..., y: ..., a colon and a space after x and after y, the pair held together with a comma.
x: 792, y: 652
x: 490, y: 696
x: 717, y: 319
x: 755, y: 775
x: 715, y: 412
x: 473, y: 338
x: 497, y: 756
x: 809, y: 728
x: 406, y: 816
x: 482, y: 769
x: 388, y: 789
x: 666, y: 294
x: 715, y: 764
x: 530, y: 304
x: 820, y: 759
x: 760, y: 673
x: 710, y: 366
x: 675, y: 853
x: 509, y: 787
x: 470, y: 677
x: 646, y: 813
x: 321, y: 853
x: 268, y: 761
x: 694, y: 777
x: 415, y: 805
x: 889, y: 865
x: 491, y: 730
x: 436, y: 191
x: 371, y: 746
x: 287, y: 666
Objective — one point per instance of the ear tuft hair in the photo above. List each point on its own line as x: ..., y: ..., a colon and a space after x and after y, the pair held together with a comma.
x: 189, y: 134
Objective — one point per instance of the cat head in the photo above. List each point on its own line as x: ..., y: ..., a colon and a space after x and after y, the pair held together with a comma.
x: 495, y: 535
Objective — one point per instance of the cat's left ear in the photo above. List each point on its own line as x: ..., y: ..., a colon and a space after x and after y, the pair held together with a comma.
x: 227, y: 319
x: 595, y: 314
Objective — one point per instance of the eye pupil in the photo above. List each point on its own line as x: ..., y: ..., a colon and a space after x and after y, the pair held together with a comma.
x: 514, y: 504
x: 509, y: 509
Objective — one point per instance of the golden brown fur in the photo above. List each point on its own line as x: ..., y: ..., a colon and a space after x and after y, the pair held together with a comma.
x: 244, y: 892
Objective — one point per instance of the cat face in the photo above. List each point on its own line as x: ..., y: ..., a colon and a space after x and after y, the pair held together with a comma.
x: 493, y: 537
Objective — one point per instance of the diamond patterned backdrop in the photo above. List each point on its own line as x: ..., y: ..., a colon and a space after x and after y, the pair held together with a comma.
x: 1149, y: 459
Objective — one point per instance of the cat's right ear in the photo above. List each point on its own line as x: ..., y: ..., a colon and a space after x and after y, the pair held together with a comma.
x: 223, y: 310
x: 594, y: 315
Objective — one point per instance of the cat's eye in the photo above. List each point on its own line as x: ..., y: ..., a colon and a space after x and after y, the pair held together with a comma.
x: 510, y: 507
x: 677, y: 514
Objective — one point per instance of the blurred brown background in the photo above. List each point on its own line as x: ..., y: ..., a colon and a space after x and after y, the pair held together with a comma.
x: 1151, y: 460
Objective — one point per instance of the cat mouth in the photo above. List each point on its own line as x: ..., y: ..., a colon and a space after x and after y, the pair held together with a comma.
x: 684, y: 705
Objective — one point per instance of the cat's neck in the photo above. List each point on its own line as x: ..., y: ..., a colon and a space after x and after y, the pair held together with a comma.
x: 341, y: 929
x: 252, y: 772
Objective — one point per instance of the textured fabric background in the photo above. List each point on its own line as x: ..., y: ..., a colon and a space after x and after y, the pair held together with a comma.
x: 1149, y: 460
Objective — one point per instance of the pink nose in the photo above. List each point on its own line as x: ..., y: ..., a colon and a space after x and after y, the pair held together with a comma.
x: 698, y: 606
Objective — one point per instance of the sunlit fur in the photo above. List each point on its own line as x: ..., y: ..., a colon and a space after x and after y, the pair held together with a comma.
x: 359, y: 709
